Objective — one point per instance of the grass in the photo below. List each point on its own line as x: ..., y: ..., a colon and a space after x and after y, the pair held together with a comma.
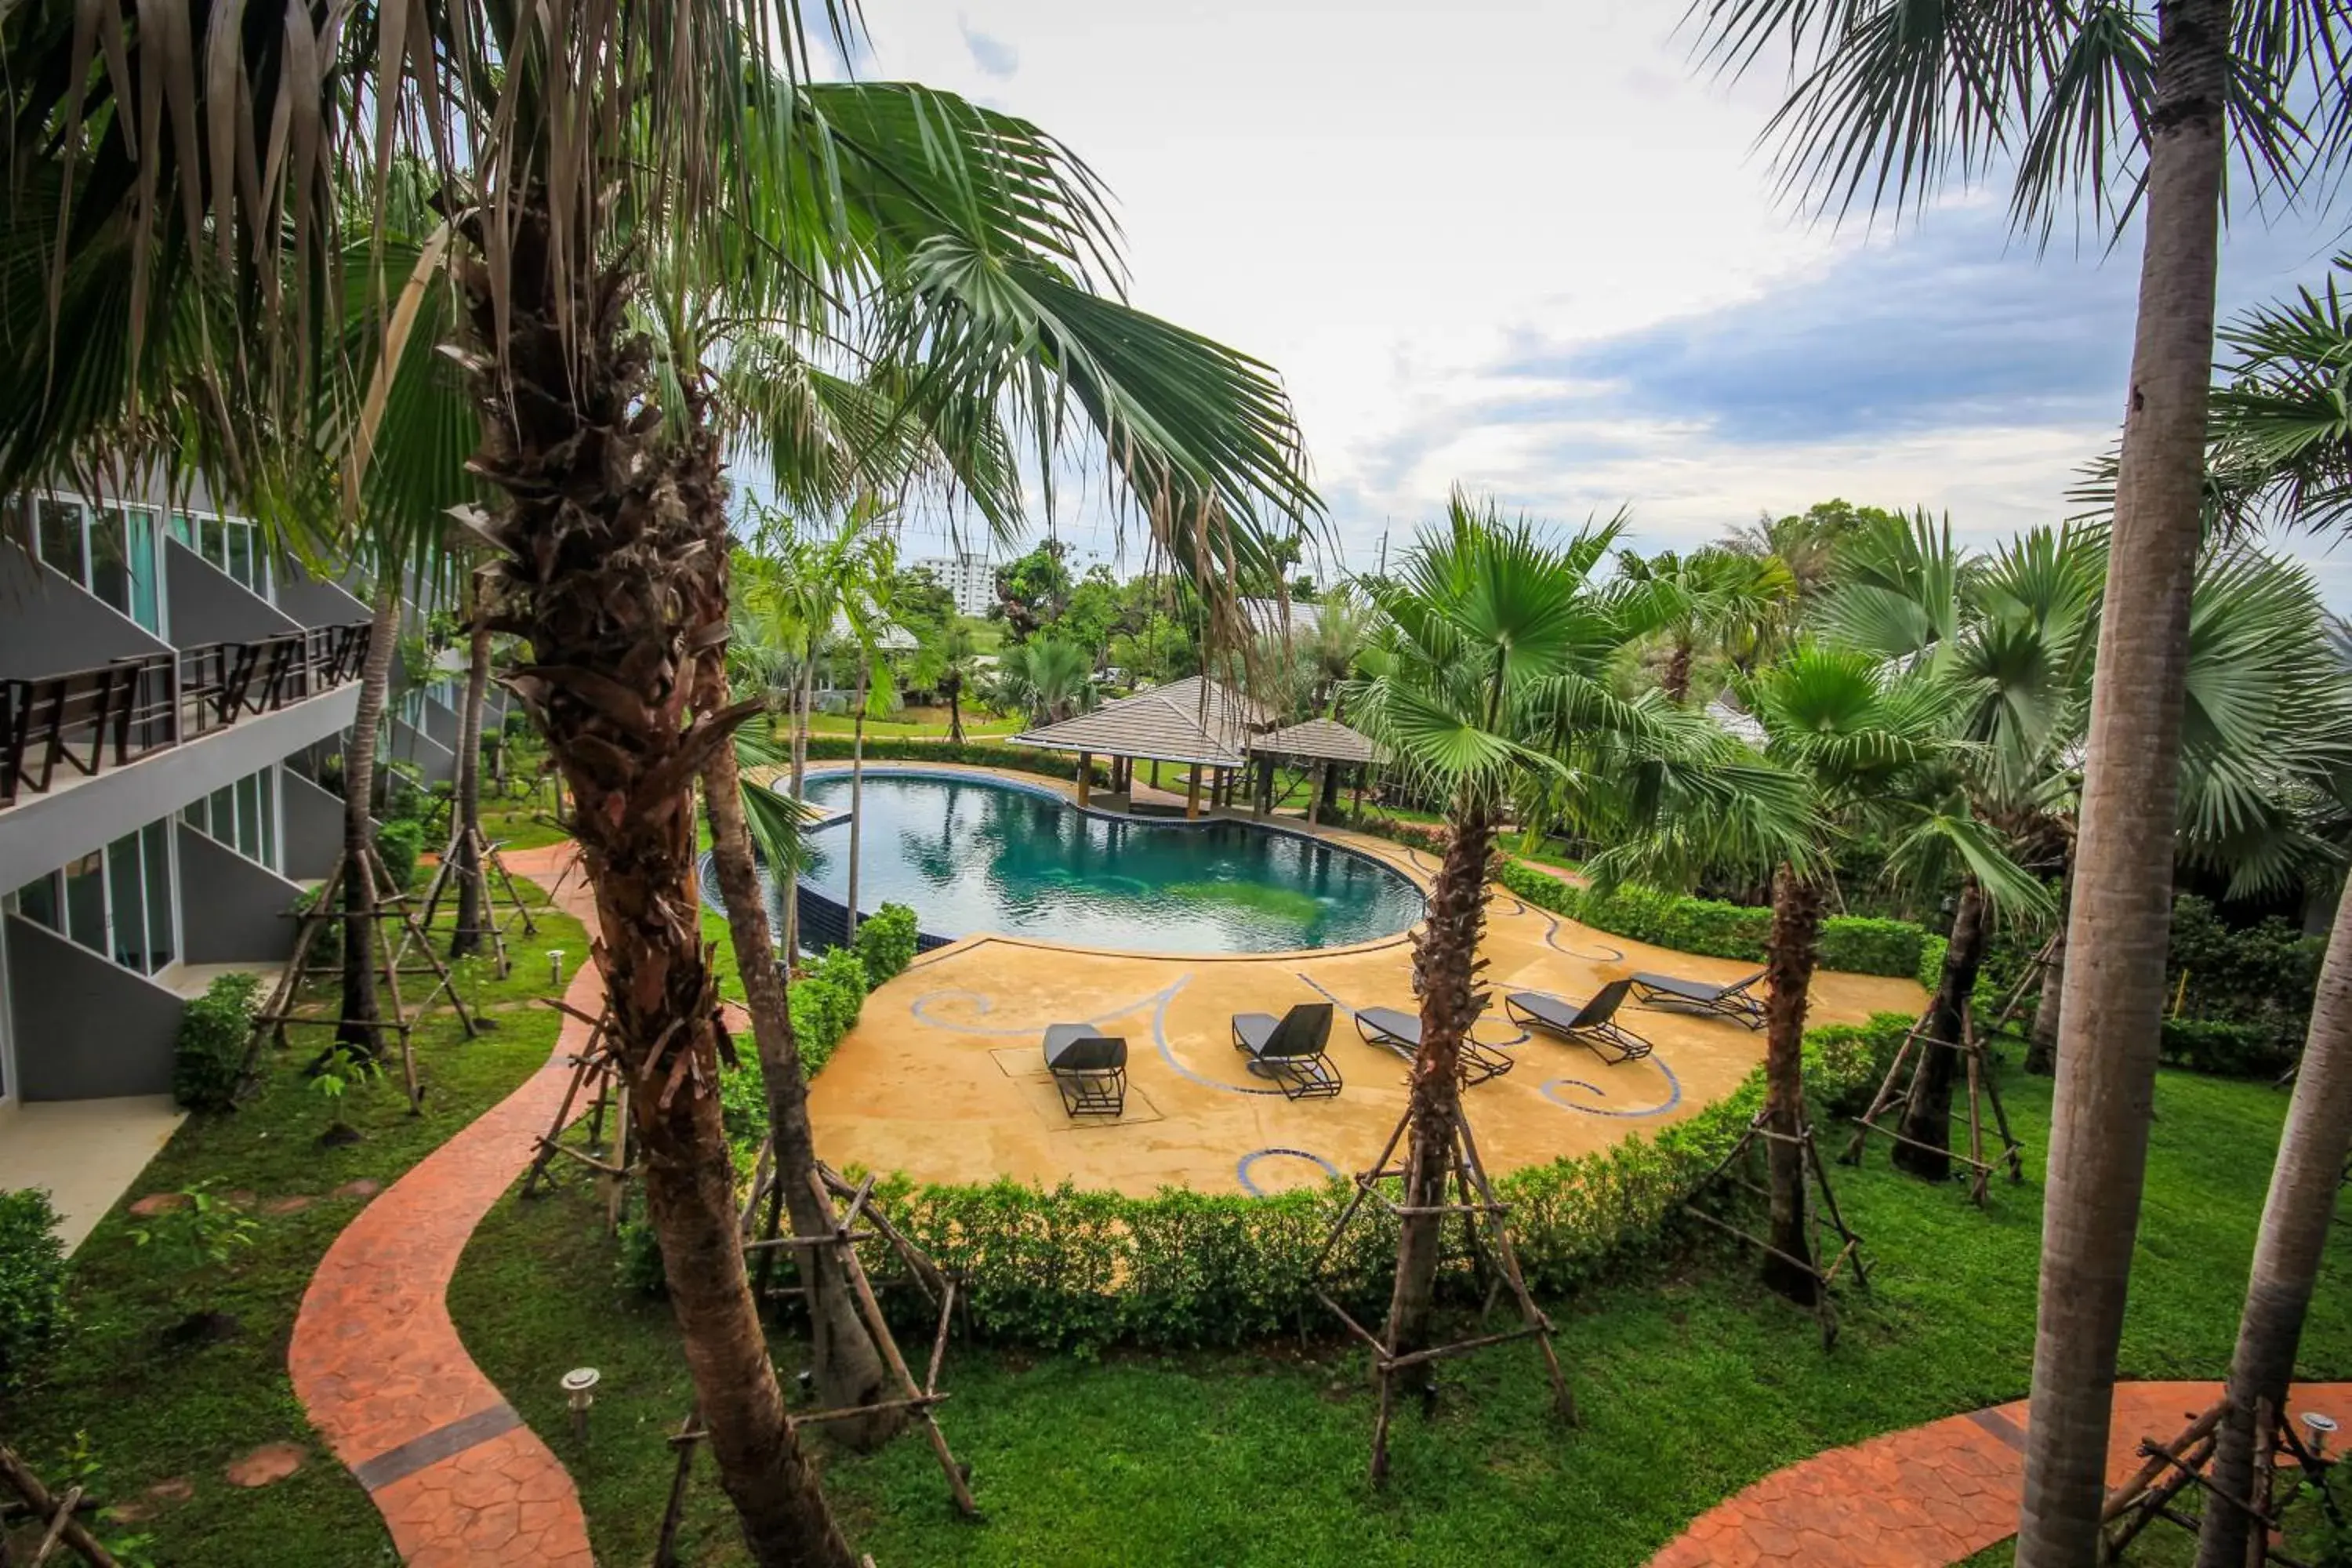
x: 978, y: 724
x: 141, y: 1412
x: 1693, y: 1382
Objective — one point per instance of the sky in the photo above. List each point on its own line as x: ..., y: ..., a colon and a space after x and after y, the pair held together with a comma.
x: 1529, y: 250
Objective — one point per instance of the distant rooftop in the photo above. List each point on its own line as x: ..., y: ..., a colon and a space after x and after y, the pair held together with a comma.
x: 1195, y: 720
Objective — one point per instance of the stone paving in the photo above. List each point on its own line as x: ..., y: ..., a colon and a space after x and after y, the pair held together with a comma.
x: 379, y: 1366
x: 1932, y: 1495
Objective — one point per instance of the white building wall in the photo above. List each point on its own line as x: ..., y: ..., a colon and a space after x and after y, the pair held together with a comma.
x: 971, y: 577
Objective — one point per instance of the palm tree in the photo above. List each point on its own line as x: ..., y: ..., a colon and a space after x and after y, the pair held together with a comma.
x: 1048, y: 680
x: 573, y: 143
x: 1343, y: 623
x: 1869, y: 747
x: 955, y: 657
x: 1731, y: 600
x: 1484, y: 675
x: 2131, y: 108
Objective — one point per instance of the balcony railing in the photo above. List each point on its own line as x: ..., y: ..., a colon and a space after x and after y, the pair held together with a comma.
x: 91, y: 720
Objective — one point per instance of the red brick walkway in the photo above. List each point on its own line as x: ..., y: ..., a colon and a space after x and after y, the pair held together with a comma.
x: 1932, y: 1495
x: 378, y: 1367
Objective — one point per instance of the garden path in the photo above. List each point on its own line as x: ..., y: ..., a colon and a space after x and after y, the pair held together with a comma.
x: 378, y: 1365
x: 1932, y: 1495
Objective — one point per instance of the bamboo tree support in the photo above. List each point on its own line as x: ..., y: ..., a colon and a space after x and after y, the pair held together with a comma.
x: 484, y: 864
x: 2029, y: 985
x: 689, y: 1433
x: 1982, y: 1094
x: 596, y: 1066
x: 2175, y: 1466
x: 285, y: 1007
x: 1478, y: 1207
x: 61, y: 1510
x: 1823, y: 1218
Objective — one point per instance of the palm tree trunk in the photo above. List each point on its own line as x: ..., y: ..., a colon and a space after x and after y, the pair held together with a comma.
x: 2041, y: 1049
x: 857, y: 792
x: 1678, y: 673
x: 467, y: 936
x: 1445, y: 964
x: 803, y: 696
x: 2296, y: 1217
x: 614, y: 566
x: 2116, y: 931
x: 1789, y: 961
x: 1927, y: 1114
x: 954, y: 683
x: 845, y: 1365
x: 356, y: 1032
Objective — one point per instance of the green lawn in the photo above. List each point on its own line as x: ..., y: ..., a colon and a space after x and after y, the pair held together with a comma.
x: 978, y: 724
x: 1693, y: 1382
x: 144, y: 1412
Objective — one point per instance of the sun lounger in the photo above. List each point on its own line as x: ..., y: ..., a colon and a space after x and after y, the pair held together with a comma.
x: 1088, y: 1067
x: 1584, y: 1023
x: 1737, y: 1002
x: 1290, y: 1049
x: 1392, y: 1028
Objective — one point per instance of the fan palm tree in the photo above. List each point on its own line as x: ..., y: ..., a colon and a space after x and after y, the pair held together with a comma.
x: 1484, y: 678
x: 2134, y: 110
x: 1732, y: 602
x: 954, y: 660
x: 1046, y: 679
x: 570, y: 144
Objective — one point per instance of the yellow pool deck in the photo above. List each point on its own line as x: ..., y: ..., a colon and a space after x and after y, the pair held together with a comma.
x: 944, y: 1079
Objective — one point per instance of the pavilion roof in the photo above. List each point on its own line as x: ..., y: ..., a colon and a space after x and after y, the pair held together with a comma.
x: 1321, y: 739
x: 1195, y: 720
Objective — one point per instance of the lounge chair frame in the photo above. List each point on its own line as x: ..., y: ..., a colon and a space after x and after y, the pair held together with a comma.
x: 1671, y: 994
x: 1589, y: 1024
x: 1090, y: 1087
x: 1273, y: 1049
x: 1478, y: 1062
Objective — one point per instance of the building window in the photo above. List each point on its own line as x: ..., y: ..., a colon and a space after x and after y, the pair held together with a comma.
x: 231, y: 543
x: 116, y: 901
x: 243, y: 816
x: 37, y: 900
x: 110, y: 552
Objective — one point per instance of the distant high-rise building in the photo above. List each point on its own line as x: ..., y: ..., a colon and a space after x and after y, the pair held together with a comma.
x: 968, y: 576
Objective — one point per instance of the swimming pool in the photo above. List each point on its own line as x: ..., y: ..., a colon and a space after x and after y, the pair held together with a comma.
x: 971, y: 854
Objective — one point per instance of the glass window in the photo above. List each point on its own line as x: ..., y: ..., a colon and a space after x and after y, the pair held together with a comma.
x: 127, y: 932
x: 209, y: 541
x: 240, y: 553
x: 155, y: 849
x: 109, y: 560
x: 269, y: 799
x: 146, y: 572
x: 184, y: 529
x: 85, y: 879
x: 194, y: 815
x: 61, y: 537
x: 37, y: 900
x: 224, y: 813
x: 248, y: 816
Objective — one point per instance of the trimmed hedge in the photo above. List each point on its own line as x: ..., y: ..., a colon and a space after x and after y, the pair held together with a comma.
x: 2226, y: 1048
x: 975, y: 754
x: 399, y: 843
x: 2260, y: 979
x: 1081, y: 1270
x: 1710, y: 927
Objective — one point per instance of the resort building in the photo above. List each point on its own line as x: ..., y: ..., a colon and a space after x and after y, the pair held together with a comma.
x: 169, y: 694
x: 968, y: 576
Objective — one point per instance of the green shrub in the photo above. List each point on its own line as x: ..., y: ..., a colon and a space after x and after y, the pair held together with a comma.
x: 398, y: 843
x: 640, y: 1266
x: 1717, y: 930
x: 825, y: 1001
x: 2262, y: 975
x: 886, y: 942
x: 32, y: 1282
x: 1067, y: 1268
x: 2229, y: 1048
x: 982, y: 754
x: 208, y: 1061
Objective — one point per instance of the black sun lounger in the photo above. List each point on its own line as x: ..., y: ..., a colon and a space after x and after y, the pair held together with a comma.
x: 1737, y: 1002
x: 1089, y: 1069
x: 1290, y: 1049
x: 1585, y: 1022
x: 1394, y: 1029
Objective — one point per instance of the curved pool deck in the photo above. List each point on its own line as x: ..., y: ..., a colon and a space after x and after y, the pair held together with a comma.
x: 943, y: 1076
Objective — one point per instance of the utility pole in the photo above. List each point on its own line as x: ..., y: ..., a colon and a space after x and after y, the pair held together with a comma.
x: 1384, y: 549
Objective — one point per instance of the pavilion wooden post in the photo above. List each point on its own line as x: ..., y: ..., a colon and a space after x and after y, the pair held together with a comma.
x: 1193, y: 793
x: 1085, y: 777
x: 1264, y: 786
x: 1315, y: 794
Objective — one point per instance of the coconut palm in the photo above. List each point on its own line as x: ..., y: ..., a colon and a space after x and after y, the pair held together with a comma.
x: 2130, y: 109
x: 571, y: 145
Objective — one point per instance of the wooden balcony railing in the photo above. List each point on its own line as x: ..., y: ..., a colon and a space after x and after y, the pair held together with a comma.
x: 91, y: 720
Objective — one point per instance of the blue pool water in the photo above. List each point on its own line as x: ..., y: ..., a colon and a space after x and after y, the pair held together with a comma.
x: 970, y: 854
